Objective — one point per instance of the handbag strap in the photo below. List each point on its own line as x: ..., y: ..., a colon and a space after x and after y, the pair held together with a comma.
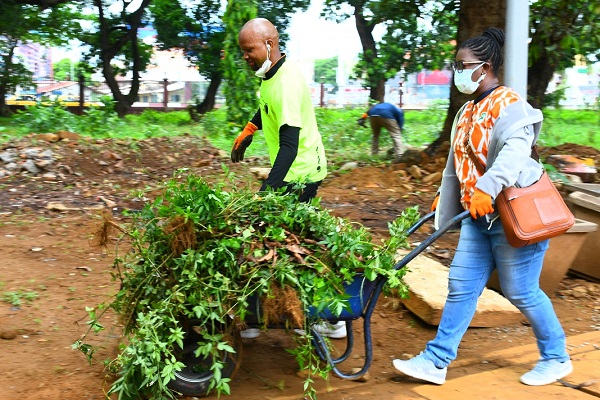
x: 469, y: 150
x: 478, y: 164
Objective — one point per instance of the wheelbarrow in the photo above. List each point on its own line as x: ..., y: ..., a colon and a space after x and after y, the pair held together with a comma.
x: 194, y: 379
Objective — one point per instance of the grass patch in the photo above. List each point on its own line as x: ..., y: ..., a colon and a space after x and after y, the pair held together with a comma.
x: 18, y: 297
x: 344, y: 140
x: 571, y: 126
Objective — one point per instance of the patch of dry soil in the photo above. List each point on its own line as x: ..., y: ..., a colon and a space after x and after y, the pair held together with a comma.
x: 50, y: 273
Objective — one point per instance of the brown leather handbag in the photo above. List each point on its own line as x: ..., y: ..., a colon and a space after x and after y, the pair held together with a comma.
x: 534, y: 213
x: 530, y: 214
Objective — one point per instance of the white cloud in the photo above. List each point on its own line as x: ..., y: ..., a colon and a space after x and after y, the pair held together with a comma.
x: 73, y: 52
x: 313, y: 37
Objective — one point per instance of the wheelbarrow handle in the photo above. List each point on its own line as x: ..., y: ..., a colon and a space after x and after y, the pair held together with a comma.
x: 432, y: 238
x: 318, y: 341
x: 420, y: 223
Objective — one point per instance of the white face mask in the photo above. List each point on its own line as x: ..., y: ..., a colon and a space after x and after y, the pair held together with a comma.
x: 463, y: 80
x: 262, y: 71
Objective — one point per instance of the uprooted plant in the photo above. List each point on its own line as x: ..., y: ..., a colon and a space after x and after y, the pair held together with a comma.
x: 198, y: 256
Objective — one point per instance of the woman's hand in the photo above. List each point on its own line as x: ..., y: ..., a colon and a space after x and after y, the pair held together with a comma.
x: 481, y: 204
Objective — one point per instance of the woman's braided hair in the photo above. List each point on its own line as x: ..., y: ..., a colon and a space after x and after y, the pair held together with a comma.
x: 487, y: 47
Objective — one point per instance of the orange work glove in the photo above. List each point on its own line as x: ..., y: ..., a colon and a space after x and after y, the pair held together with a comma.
x: 481, y: 204
x: 242, y: 142
x: 435, y: 203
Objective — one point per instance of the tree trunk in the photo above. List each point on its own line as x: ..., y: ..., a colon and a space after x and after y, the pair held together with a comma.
x: 109, y: 50
x: 472, y: 21
x: 539, y: 75
x: 122, y: 105
x: 365, y: 33
x: 378, y: 92
x: 5, y: 110
x: 211, y: 93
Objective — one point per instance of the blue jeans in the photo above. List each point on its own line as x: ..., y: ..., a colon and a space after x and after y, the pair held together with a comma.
x: 479, y: 251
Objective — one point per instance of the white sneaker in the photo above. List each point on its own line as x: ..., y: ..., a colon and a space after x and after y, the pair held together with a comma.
x: 421, y: 368
x: 546, y: 372
x: 334, y: 331
x: 250, y: 333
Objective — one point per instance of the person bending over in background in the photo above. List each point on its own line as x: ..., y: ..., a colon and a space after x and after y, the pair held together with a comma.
x: 491, y: 146
x: 287, y: 119
x: 390, y: 117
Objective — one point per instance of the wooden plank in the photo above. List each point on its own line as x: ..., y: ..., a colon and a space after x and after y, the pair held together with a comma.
x: 503, y: 383
x: 529, y: 354
x: 500, y: 384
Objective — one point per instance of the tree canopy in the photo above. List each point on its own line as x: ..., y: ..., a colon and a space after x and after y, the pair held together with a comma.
x: 381, y: 60
x: 326, y: 70
x: 417, y: 34
x: 23, y: 23
x: 116, y: 48
x: 560, y: 31
x: 241, y: 84
x: 200, y: 31
x: 67, y: 70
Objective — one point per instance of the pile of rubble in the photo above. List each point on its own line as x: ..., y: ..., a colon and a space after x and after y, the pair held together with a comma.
x: 31, y: 160
x: 16, y: 159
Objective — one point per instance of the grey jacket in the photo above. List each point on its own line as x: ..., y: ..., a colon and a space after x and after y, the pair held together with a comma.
x: 508, y: 161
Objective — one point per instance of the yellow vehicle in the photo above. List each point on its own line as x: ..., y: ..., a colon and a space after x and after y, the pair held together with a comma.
x: 72, y: 101
x: 22, y: 100
x: 31, y: 100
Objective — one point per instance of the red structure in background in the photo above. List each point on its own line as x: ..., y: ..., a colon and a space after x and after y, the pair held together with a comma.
x: 436, y: 77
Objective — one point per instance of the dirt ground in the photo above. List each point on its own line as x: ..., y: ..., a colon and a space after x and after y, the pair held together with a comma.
x: 50, y: 273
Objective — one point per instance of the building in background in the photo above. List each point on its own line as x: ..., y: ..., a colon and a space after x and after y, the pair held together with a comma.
x: 37, y: 59
x: 578, y: 86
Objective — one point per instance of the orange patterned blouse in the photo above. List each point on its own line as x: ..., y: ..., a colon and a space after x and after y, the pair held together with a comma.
x: 476, y: 125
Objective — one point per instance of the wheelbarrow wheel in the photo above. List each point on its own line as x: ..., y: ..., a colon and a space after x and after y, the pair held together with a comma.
x: 194, y: 379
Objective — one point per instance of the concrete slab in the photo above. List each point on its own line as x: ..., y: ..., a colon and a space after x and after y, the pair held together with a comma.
x: 428, y: 287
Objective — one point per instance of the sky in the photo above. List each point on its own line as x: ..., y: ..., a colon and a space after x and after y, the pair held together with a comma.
x: 313, y: 37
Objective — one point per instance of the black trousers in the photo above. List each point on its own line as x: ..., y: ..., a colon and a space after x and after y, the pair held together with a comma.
x: 306, y: 192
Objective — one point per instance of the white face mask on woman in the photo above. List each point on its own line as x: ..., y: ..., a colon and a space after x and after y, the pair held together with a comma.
x: 463, y: 80
x: 262, y: 71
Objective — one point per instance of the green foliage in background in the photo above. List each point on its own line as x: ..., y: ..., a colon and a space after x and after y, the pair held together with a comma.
x: 23, y: 23
x: 241, y: 85
x: 67, y: 70
x: 198, y: 253
x: 326, y: 70
x: 570, y: 126
x: 96, y: 122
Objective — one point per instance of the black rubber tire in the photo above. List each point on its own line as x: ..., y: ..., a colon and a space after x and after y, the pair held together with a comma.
x: 194, y: 379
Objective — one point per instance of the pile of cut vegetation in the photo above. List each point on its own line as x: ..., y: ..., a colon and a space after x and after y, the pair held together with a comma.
x: 198, y: 255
